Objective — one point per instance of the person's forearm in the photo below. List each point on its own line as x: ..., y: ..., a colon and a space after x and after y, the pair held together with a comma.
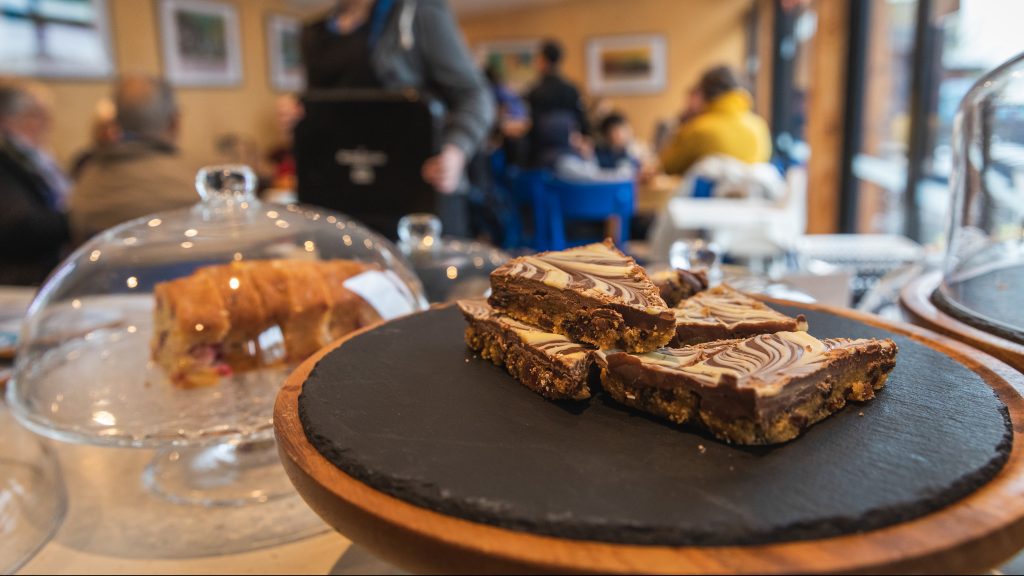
x: 449, y: 67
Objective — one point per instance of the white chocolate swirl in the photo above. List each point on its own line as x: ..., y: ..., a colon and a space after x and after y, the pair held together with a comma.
x: 546, y: 342
x: 765, y: 362
x: 598, y: 270
x: 723, y: 305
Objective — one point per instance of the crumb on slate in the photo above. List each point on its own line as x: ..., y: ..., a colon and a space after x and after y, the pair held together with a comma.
x: 701, y: 448
x: 860, y: 414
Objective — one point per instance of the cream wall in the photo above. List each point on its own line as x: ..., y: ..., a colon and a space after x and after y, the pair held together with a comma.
x: 700, y: 34
x: 207, y: 112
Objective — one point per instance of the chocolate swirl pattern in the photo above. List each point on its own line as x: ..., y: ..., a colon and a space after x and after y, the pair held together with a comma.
x: 764, y: 363
x: 597, y: 270
x: 546, y: 342
x: 723, y: 305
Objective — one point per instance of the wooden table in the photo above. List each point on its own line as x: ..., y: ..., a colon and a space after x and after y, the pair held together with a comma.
x: 76, y: 548
x: 104, y: 485
x: 103, y: 481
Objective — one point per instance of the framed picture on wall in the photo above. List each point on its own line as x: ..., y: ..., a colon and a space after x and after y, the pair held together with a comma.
x: 284, y: 53
x: 514, y: 60
x: 201, y: 43
x: 56, y: 38
x: 618, y: 65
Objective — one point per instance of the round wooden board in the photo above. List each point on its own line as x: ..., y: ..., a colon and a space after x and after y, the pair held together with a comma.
x: 916, y: 299
x: 976, y: 533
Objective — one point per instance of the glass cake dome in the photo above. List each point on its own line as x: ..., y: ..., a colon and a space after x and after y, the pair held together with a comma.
x: 32, y: 495
x: 450, y: 268
x: 177, y: 330
x: 984, y: 263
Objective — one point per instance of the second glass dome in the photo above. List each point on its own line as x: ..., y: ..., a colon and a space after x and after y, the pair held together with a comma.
x: 984, y: 267
x: 179, y: 328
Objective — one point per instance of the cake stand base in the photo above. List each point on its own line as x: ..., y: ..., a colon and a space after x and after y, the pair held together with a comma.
x: 113, y: 513
x: 236, y: 473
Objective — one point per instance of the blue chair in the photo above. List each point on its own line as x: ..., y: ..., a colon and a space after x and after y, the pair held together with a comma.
x: 529, y: 196
x: 590, y: 201
x: 507, y: 208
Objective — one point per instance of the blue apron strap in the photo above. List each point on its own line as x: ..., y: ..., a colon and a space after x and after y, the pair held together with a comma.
x: 379, y: 19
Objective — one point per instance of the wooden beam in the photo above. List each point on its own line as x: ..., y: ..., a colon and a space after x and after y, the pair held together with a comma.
x: 765, y: 51
x: 826, y: 108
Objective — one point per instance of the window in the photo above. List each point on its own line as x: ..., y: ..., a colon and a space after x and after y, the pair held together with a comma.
x: 920, y: 58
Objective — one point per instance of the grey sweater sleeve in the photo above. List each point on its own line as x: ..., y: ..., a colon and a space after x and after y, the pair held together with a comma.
x: 450, y: 69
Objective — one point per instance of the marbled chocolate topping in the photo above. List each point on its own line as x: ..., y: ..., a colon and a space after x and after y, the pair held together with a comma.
x: 762, y: 364
x: 725, y: 306
x: 597, y: 270
x: 550, y: 344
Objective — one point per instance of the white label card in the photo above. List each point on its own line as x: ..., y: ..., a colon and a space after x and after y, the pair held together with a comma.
x: 385, y: 291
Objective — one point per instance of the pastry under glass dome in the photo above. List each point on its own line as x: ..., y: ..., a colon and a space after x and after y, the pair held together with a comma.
x: 984, y: 263
x: 85, y: 371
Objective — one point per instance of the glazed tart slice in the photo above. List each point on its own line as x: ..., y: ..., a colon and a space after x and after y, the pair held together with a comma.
x: 593, y: 294
x: 547, y: 363
x: 723, y: 313
x: 762, y: 390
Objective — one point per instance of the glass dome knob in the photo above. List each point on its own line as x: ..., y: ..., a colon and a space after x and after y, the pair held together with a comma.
x: 419, y: 232
x: 226, y: 184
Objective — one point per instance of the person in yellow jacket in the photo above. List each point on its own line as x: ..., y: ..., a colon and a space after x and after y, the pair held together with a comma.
x: 719, y: 121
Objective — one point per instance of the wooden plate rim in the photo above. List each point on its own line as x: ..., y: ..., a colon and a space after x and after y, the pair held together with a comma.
x: 978, y: 532
x: 916, y: 298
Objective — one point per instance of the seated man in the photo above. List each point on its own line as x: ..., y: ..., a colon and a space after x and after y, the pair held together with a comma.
x: 719, y: 122
x: 142, y: 172
x: 33, y: 229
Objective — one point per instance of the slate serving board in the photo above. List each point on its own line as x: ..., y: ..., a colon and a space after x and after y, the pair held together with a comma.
x: 410, y: 411
x: 994, y: 296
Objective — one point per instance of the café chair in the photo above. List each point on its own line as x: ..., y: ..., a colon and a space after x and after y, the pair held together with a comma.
x: 588, y: 201
x: 528, y: 194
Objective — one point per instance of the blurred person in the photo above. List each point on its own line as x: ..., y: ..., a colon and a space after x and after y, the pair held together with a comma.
x: 616, y: 142
x: 552, y: 94
x: 33, y: 227
x: 570, y: 156
x: 103, y: 132
x: 400, y: 44
x: 143, y: 172
x: 599, y: 109
x: 718, y: 120
x: 288, y: 112
x: 512, y: 121
x: 510, y: 106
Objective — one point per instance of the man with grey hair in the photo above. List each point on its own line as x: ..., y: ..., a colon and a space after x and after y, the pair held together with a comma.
x: 33, y: 228
x: 143, y: 172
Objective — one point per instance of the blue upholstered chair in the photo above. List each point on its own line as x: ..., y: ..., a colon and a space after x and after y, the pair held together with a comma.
x: 590, y: 201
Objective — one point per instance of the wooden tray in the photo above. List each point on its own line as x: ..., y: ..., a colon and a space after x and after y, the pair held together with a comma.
x: 916, y: 299
x: 978, y: 531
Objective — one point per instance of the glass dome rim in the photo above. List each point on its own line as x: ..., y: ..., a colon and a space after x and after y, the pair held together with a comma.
x: 980, y: 85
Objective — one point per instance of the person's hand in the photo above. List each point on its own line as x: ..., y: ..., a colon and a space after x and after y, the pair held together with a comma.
x: 582, y: 145
x: 444, y: 172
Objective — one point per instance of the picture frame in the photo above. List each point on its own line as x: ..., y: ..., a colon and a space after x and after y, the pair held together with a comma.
x: 201, y: 43
x: 627, y: 65
x: 284, y: 53
x: 515, y: 58
x: 67, y: 39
